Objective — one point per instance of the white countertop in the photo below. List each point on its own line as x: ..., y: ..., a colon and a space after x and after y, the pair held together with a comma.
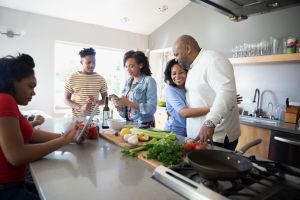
x: 94, y: 170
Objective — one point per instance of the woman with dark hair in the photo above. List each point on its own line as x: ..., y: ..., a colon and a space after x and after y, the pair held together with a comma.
x: 175, y: 76
x: 17, y: 83
x: 139, y: 96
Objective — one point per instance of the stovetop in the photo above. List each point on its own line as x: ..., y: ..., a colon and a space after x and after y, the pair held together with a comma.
x: 266, y: 180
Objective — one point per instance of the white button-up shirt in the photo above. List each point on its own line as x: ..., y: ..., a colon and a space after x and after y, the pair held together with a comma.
x: 211, y: 83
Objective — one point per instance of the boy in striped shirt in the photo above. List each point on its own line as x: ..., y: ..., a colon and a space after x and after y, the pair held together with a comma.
x: 83, y: 87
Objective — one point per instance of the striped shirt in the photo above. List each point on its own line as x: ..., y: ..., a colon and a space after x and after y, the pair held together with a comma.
x: 81, y: 86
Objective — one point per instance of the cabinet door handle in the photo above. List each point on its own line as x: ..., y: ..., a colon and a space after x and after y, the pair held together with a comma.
x: 287, y: 140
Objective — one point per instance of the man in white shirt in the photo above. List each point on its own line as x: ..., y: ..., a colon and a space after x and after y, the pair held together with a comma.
x: 210, y: 83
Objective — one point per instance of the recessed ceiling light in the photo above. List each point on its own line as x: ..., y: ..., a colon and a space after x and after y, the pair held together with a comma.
x: 124, y: 20
x: 163, y: 8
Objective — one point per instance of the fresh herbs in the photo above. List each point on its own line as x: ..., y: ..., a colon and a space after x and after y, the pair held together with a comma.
x: 169, y: 153
x: 165, y: 151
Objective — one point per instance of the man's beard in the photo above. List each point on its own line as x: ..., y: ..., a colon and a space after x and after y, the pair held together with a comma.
x: 185, y: 66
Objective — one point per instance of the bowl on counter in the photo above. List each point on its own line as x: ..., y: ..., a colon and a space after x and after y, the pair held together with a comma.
x: 116, y: 124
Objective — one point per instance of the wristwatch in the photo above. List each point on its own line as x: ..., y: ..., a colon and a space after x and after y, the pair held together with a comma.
x: 209, y: 124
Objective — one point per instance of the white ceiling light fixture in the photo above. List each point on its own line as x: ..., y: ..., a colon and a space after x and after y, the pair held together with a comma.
x: 10, y: 33
x: 163, y: 8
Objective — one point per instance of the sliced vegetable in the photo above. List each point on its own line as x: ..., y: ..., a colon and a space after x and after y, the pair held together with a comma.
x: 133, y: 139
x: 124, y: 131
x: 134, y: 151
x: 127, y: 136
x: 143, y: 137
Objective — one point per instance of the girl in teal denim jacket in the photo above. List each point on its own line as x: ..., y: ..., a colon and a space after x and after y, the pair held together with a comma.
x: 139, y: 96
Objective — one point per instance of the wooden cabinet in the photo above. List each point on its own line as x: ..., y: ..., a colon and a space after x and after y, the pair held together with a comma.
x: 279, y: 58
x: 161, y: 118
x: 250, y: 133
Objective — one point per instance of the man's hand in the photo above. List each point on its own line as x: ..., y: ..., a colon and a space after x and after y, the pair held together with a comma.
x: 205, y: 135
x: 92, y: 100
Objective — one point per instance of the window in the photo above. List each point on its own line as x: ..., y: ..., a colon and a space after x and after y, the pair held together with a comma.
x: 160, y: 58
x: 67, y: 61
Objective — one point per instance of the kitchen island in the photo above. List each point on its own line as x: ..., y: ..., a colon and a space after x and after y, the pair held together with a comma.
x: 95, y: 169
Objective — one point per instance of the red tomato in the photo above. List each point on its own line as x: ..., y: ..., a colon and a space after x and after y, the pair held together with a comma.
x: 92, y: 133
x: 81, y: 125
x: 200, y: 147
x: 189, y: 146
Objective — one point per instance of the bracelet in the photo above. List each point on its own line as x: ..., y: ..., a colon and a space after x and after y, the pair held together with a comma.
x: 209, y: 124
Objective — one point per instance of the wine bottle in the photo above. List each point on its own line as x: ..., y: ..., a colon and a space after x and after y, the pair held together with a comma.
x: 105, y: 114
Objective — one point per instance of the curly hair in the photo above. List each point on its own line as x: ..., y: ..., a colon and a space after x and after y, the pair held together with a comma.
x: 87, y: 52
x: 140, y: 58
x: 14, y: 69
x: 168, y: 72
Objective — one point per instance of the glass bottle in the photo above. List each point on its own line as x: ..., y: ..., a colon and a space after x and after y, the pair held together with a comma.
x: 106, y: 113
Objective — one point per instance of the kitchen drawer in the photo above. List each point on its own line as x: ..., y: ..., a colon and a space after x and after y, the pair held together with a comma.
x: 250, y: 133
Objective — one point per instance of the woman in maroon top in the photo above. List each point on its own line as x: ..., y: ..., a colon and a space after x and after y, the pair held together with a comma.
x: 19, y: 143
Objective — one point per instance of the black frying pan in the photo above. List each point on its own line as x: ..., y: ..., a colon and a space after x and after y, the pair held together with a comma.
x: 221, y: 165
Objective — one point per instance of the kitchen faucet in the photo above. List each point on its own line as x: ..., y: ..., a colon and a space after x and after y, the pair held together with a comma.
x: 271, y: 114
x: 257, y: 110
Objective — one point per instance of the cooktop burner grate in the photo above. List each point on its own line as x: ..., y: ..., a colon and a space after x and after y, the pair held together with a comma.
x: 266, y: 180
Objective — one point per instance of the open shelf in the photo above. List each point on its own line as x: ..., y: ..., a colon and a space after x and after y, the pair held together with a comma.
x: 279, y: 58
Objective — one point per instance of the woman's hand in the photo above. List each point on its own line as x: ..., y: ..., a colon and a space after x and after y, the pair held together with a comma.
x: 123, y: 101
x: 38, y: 120
x: 116, y: 102
x: 71, y: 132
x: 239, y: 99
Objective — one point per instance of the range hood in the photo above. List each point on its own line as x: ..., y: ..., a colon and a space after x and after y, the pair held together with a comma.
x: 238, y: 10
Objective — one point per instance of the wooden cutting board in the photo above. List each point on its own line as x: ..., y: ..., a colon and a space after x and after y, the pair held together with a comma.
x: 110, y: 136
x: 143, y: 156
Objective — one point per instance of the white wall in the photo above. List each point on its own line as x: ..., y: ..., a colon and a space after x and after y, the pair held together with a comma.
x: 41, y: 33
x: 215, y: 31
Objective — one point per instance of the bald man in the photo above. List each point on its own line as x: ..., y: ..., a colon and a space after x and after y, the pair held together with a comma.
x: 210, y: 83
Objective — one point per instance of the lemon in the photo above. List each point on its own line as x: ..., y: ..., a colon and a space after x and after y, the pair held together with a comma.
x: 124, y: 131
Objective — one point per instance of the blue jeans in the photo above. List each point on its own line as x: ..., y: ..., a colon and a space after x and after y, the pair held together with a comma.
x: 16, y: 191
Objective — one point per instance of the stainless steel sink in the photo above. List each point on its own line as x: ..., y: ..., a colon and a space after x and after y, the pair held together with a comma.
x: 258, y: 120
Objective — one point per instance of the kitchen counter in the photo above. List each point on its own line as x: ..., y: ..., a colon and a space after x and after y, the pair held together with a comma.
x: 280, y: 126
x: 94, y: 170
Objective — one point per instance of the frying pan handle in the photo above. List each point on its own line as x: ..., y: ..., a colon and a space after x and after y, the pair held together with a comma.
x: 249, y: 145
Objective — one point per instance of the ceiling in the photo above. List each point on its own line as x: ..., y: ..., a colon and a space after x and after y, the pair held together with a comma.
x: 138, y: 16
